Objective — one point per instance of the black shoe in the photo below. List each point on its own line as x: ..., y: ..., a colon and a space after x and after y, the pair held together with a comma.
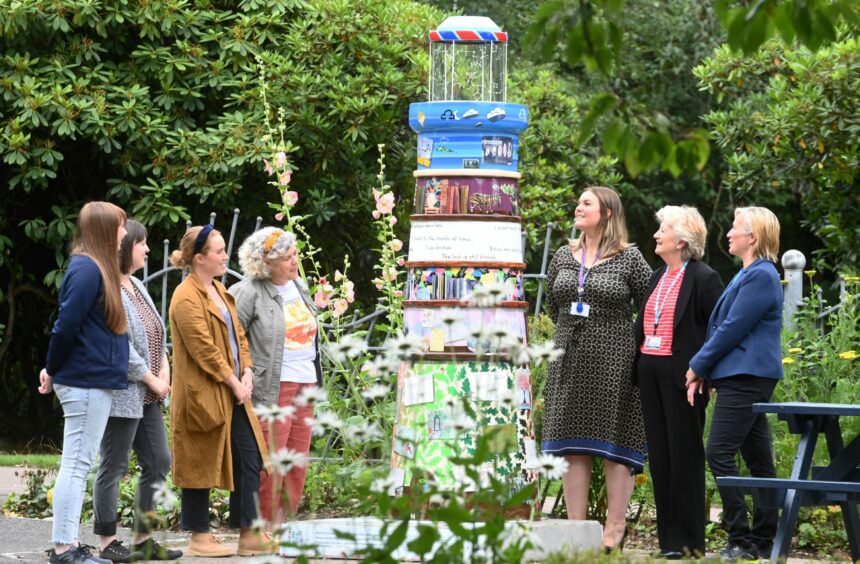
x: 670, y: 555
x: 116, y: 552
x: 153, y: 551
x: 734, y: 552
x: 75, y: 555
x: 763, y: 552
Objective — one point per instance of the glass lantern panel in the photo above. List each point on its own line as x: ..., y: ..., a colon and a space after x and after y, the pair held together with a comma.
x: 468, y: 71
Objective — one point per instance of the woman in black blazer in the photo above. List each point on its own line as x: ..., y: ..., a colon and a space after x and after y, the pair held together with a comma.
x: 670, y: 329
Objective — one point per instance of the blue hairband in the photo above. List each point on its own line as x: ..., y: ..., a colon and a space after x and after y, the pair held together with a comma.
x: 200, y: 242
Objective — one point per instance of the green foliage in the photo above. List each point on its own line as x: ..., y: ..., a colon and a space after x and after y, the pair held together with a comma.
x: 789, y: 125
x: 157, y: 107
x: 48, y: 461
x: 812, y: 22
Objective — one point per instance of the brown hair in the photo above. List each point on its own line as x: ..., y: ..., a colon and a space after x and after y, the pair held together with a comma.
x: 183, y: 257
x: 98, y: 223
x: 135, y: 233
x: 612, y: 229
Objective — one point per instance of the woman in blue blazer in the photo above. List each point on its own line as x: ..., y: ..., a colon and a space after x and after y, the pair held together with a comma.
x: 742, y: 360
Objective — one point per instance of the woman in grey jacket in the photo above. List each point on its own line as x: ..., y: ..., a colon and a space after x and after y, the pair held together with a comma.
x: 135, y: 416
x: 280, y: 322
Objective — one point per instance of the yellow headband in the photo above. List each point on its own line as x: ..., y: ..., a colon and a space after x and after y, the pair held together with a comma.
x: 273, y: 238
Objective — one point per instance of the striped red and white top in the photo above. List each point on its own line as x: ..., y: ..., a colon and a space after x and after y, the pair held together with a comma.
x: 668, y: 298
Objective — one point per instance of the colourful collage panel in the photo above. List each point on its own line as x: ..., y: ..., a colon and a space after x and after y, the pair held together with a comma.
x: 467, y: 195
x: 455, y: 283
x: 432, y: 427
x: 440, y: 332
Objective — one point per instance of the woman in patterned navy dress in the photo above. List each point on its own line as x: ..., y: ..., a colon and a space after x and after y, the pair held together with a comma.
x: 591, y: 406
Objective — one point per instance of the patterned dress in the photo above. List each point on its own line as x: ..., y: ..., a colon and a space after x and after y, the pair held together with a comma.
x: 590, y: 404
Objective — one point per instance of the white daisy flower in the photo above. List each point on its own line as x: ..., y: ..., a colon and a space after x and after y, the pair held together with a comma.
x: 310, y: 395
x: 274, y: 413
x: 519, y: 354
x: 403, y: 346
x: 546, y: 352
x: 348, y: 347
x: 324, y: 421
x: 286, y: 459
x: 462, y: 423
x: 362, y: 432
x: 164, y: 496
x: 520, y: 534
x: 375, y: 392
x: 552, y: 467
x: 384, y: 485
x: 449, y: 316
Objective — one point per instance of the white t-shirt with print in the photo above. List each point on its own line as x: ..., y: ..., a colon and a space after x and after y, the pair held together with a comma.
x: 299, y: 337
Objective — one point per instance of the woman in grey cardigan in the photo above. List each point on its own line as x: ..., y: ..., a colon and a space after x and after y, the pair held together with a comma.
x: 280, y: 322
x: 135, y: 417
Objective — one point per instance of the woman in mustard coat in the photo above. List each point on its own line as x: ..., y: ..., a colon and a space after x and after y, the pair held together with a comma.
x: 217, y: 440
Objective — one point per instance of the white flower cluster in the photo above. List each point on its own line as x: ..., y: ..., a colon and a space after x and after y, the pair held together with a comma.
x: 286, y: 459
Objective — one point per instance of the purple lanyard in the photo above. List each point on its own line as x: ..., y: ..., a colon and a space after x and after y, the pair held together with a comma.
x: 583, y: 275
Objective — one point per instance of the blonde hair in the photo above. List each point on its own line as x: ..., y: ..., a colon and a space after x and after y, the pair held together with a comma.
x: 269, y: 243
x: 612, y: 229
x: 689, y: 227
x: 98, y: 225
x: 762, y: 224
x: 183, y: 257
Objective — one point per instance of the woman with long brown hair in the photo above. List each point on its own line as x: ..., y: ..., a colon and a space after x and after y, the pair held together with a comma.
x: 591, y: 406
x: 217, y: 440
x: 87, y: 360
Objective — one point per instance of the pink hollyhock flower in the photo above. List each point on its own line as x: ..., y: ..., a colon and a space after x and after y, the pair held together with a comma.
x: 389, y: 274
x: 376, y: 194
x: 284, y: 178
x: 269, y: 170
x: 396, y: 245
x: 338, y: 276
x: 279, y: 216
x: 378, y: 286
x: 385, y: 203
x: 350, y: 296
x: 340, y: 306
x: 376, y: 214
x: 323, y: 281
x: 401, y: 261
x: 280, y: 159
x: 392, y: 221
x: 290, y: 198
x: 321, y: 299
x: 398, y: 293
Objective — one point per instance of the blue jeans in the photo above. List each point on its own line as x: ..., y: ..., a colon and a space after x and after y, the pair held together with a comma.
x: 86, y: 412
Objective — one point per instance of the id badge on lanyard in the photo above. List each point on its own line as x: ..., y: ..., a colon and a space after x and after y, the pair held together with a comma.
x: 579, y: 308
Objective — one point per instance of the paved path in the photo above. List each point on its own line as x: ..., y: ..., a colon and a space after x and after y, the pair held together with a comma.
x: 25, y: 540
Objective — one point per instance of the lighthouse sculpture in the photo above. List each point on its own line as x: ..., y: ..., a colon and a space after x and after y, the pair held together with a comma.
x: 465, y: 236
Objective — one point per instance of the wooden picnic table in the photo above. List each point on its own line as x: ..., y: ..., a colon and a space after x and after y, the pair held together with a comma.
x: 837, y: 483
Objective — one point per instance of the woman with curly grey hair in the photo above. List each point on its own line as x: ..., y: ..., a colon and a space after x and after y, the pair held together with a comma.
x: 279, y: 318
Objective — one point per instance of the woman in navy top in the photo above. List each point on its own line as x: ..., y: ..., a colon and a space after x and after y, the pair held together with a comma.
x: 87, y: 361
x: 742, y: 359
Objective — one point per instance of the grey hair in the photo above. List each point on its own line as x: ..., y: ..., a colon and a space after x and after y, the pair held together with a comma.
x: 253, y: 255
x: 689, y: 227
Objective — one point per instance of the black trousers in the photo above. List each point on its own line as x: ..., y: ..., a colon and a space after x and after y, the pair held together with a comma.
x: 676, y: 456
x: 247, y: 464
x: 734, y: 427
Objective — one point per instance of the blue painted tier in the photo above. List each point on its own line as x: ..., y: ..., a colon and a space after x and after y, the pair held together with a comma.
x: 468, y: 135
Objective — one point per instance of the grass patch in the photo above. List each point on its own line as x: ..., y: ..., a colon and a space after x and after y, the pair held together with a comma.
x: 51, y: 461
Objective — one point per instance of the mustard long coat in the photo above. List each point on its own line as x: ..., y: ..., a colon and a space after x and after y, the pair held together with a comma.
x: 202, y: 405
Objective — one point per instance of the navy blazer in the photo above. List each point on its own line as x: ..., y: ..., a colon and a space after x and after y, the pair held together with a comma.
x: 745, y: 327
x: 700, y: 289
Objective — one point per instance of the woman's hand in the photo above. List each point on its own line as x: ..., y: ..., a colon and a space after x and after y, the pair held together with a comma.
x: 240, y: 390
x: 158, y: 386
x: 694, y: 385
x: 46, y: 383
x: 248, y: 378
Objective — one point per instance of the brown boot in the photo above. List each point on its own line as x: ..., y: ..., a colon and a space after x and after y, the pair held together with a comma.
x: 208, y: 545
x: 255, y: 543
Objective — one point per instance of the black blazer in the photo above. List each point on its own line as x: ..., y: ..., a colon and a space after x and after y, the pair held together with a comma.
x: 697, y: 296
